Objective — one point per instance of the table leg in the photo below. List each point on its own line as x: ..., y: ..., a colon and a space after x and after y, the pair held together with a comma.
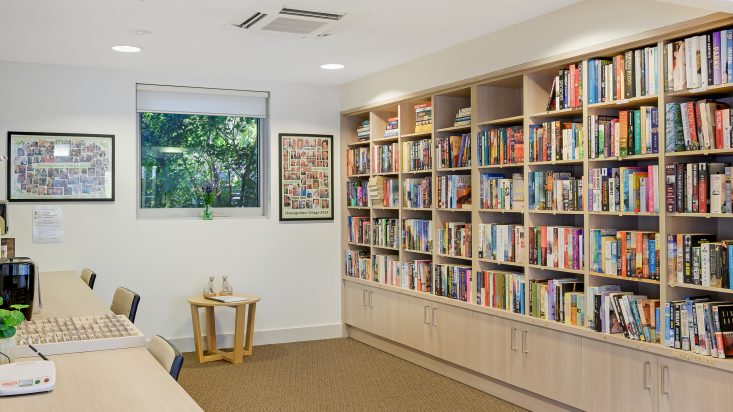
x: 238, y: 350
x: 250, y: 329
x: 210, y: 329
x: 197, y: 332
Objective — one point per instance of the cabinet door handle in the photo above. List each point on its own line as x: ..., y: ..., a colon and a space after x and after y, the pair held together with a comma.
x: 364, y: 298
x: 435, y: 316
x: 370, y: 299
x: 513, y: 339
x: 525, y: 349
x: 647, y: 372
x: 665, y: 373
x: 425, y: 312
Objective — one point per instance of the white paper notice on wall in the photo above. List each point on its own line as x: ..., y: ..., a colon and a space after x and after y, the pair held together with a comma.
x: 47, y: 224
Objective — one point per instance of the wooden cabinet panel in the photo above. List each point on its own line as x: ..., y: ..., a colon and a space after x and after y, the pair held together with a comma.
x: 414, y: 318
x: 685, y: 386
x: 356, y: 312
x: 499, y: 353
x: 618, y: 379
x: 454, y: 335
x: 382, y: 306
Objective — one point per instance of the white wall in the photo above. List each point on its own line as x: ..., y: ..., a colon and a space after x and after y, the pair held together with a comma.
x: 581, y: 25
x: 293, y: 267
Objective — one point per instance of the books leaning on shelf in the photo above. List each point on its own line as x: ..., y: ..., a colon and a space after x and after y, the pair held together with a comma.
x: 567, y: 88
x: 500, y: 290
x: 357, y: 193
x: 385, y: 158
x: 385, y: 268
x: 362, y: 133
x: 357, y: 161
x: 700, y: 325
x: 501, y: 146
x: 561, y: 300
x: 386, y: 232
x: 453, y: 191
x: 699, y: 61
x: 501, y: 192
x: 624, y: 76
x: 615, y: 311
x: 454, y: 239
x: 463, y: 117
x: 417, y: 235
x: 632, y: 132
x: 416, y: 275
x: 358, y: 264
x: 452, y: 281
x: 417, y: 155
x: 360, y: 228
x: 423, y: 117
x: 417, y: 193
x: 624, y: 189
x: 384, y: 192
x: 705, y: 124
x: 625, y: 253
x: 556, y: 247
x: 698, y: 187
x: 392, y: 129
x: 454, y: 151
x: 559, y: 191
x: 555, y: 140
x: 502, y: 243
x: 698, y: 259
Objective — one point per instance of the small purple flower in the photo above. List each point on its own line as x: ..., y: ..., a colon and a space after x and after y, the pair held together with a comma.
x: 207, y: 187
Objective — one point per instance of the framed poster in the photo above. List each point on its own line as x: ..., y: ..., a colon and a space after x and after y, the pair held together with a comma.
x: 45, y: 167
x: 306, y: 176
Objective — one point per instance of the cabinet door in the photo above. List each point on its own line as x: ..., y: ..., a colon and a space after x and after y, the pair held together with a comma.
x: 617, y: 378
x: 383, y: 313
x: 499, y: 354
x: 414, y: 323
x: 356, y: 312
x: 685, y: 386
x: 454, y: 335
x: 551, y: 363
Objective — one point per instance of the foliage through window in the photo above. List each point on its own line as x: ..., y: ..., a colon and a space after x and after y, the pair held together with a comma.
x: 179, y: 152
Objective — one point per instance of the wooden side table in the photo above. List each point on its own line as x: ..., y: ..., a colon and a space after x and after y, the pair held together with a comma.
x: 242, y: 341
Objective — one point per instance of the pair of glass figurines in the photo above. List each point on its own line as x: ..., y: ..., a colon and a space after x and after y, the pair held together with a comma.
x: 226, y: 287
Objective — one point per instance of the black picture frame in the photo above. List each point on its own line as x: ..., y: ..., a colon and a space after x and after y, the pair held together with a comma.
x: 14, y: 159
x: 287, y: 213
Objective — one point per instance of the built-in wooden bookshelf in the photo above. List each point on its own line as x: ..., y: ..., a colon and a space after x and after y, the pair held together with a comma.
x: 519, y: 99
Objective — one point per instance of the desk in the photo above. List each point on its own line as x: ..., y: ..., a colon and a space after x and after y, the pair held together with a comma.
x: 111, y: 380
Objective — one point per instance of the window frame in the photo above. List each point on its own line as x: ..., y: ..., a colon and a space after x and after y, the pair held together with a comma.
x: 263, y: 170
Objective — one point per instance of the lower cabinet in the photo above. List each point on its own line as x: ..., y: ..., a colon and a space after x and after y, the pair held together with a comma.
x: 500, y: 356
x: 371, y: 309
x: 685, y: 386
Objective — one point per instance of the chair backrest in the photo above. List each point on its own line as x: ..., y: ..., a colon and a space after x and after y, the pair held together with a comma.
x: 88, y: 276
x: 166, y: 354
x: 124, y: 302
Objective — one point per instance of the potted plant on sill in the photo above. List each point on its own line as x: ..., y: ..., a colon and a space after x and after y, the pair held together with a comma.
x: 9, y: 319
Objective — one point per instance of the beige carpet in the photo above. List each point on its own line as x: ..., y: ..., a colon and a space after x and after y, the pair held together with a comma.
x: 328, y: 375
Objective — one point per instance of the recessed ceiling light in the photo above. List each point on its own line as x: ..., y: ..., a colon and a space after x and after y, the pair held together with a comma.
x: 126, y: 49
x: 332, y: 66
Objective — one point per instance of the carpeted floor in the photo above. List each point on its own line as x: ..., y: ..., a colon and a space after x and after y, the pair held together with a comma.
x: 328, y: 375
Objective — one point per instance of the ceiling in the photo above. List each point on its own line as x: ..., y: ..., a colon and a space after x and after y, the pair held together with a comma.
x: 194, y: 36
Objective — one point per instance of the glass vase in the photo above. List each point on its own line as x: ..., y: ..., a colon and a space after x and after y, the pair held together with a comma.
x: 7, y: 347
x: 208, y: 213
x: 209, y: 288
x: 226, y: 287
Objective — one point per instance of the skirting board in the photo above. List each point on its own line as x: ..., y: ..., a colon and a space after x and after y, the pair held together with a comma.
x: 502, y: 390
x: 266, y: 337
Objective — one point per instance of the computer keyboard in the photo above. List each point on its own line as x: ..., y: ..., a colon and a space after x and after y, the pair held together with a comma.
x: 77, y: 334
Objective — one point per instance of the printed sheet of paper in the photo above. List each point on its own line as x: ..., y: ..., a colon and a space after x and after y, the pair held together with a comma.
x: 47, y: 224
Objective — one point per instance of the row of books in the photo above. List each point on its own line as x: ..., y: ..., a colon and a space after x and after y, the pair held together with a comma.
x: 503, y: 243
x: 633, y: 73
x: 625, y: 253
x: 385, y: 158
x: 356, y: 193
x: 360, y: 229
x: 556, y: 247
x: 423, y: 117
x: 501, y: 192
x: 452, y: 281
x: 392, y: 128
x: 385, y: 268
x: 698, y: 259
x: 705, y: 124
x: 362, y: 133
x: 417, y: 193
x: 417, y: 155
x: 617, y: 311
x: 417, y: 235
x: 386, y: 232
x: 624, y: 189
x: 698, y: 187
x: 386, y: 191
x: 555, y: 140
x: 559, y: 300
x: 500, y: 146
x: 357, y: 161
x: 454, y: 239
x: 501, y: 290
x: 700, y: 325
x: 554, y: 191
x: 454, y: 151
x: 567, y: 88
x: 463, y: 117
x: 699, y: 61
x: 453, y: 191
x: 358, y: 264
x: 632, y: 132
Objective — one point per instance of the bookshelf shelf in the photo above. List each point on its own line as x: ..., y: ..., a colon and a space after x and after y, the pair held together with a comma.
x: 359, y: 244
x: 503, y: 122
x: 649, y: 214
x: 454, y: 257
x: 501, y: 166
x: 416, y: 251
x: 409, y: 136
x: 385, y: 208
x: 703, y: 91
x: 447, y: 209
x: 463, y: 128
x: 557, y: 162
x: 632, y: 158
x: 454, y: 169
x: 390, y: 139
x: 501, y: 262
x: 357, y: 144
x: 702, y: 215
x: 386, y: 174
x: 700, y: 287
x: 576, y: 111
x: 565, y: 270
x: 359, y: 207
x: 386, y: 248
x: 418, y: 172
x: 627, y: 279
x: 557, y: 212
x: 626, y: 103
x: 703, y: 152
x: 501, y: 210
x: 418, y: 209
x: 358, y: 176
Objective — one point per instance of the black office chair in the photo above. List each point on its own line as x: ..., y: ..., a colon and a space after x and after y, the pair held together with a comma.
x: 166, y: 354
x: 125, y: 302
x: 88, y: 276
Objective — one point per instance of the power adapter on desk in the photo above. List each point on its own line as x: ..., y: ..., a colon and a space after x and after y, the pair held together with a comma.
x: 27, y: 377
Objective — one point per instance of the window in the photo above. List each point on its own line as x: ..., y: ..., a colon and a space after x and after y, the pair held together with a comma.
x: 189, y: 136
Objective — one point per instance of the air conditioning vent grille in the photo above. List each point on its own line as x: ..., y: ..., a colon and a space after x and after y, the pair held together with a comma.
x: 294, y: 26
x: 252, y: 20
x: 312, y: 14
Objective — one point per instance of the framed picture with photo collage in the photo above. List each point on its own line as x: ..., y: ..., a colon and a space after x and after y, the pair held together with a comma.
x: 306, y: 176
x: 56, y: 167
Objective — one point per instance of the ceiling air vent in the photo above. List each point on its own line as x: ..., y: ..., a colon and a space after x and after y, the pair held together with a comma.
x: 304, y: 23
